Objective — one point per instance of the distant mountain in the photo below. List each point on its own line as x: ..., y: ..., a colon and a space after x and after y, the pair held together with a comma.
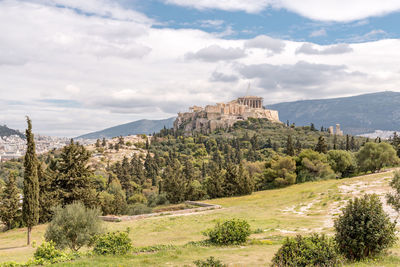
x: 356, y: 114
x: 132, y: 128
x: 5, y: 131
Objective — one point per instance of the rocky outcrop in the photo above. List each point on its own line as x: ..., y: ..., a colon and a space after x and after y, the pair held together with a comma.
x: 223, y: 115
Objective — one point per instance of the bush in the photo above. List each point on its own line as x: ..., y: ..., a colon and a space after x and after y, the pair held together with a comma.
x: 47, y: 252
x: 230, y: 232
x: 137, y: 198
x: 375, y: 156
x: 300, y: 251
x: 138, y: 209
x: 364, y: 229
x: 116, y: 243
x: 73, y: 226
x: 210, y: 262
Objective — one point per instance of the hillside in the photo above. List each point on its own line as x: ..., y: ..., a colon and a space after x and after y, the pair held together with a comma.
x: 300, y: 209
x: 132, y: 128
x: 5, y: 131
x: 356, y: 115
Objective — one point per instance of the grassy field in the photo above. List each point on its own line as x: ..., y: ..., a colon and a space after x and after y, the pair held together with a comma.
x: 299, y: 209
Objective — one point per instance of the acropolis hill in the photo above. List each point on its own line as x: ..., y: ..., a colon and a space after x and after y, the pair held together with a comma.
x: 223, y: 115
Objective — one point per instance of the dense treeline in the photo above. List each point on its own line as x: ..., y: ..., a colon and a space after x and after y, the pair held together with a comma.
x: 252, y: 155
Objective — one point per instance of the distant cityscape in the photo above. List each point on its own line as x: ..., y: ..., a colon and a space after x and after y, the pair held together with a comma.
x: 13, y: 147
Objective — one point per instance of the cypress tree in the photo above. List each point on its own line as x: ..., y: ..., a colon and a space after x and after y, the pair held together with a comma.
x: 334, y: 142
x: 321, y: 145
x: 289, y: 146
x: 30, y: 205
x: 347, y: 142
x: 9, y: 200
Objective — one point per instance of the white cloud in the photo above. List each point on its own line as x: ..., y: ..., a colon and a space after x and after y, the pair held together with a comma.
x: 326, y: 10
x: 106, y: 70
x: 309, y: 49
x: 266, y: 42
x: 318, y: 33
x: 216, y: 53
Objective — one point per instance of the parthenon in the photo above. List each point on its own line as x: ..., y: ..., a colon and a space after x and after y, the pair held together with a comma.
x: 251, y: 101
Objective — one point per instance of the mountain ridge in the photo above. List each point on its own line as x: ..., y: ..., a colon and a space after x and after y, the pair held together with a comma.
x: 143, y: 126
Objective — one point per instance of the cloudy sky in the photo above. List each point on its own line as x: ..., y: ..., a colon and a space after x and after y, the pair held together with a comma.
x: 78, y: 66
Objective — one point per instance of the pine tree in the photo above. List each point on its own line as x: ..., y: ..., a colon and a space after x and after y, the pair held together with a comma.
x: 215, y: 182
x: 174, y: 185
x: 48, y: 198
x: 104, y: 142
x: 245, y: 182
x: 289, y: 146
x: 97, y: 143
x: 321, y: 145
x: 10, y: 205
x: 73, y: 176
x: 30, y: 205
x: 312, y: 127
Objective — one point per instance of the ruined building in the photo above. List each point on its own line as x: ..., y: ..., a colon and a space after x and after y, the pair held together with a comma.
x: 338, y: 131
x: 223, y: 115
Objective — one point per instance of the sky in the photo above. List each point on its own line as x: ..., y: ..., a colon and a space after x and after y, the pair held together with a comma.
x: 80, y: 66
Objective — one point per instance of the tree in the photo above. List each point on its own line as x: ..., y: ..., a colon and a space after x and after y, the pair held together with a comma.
x: 342, y: 162
x: 280, y: 171
x: 104, y: 142
x: 10, y: 205
x: 97, y: 143
x: 364, y: 229
x: 393, y: 198
x: 289, y: 146
x: 30, y: 204
x: 313, y: 166
x: 174, y: 183
x: 73, y: 179
x: 375, y: 156
x: 347, y: 142
x: 321, y: 146
x: 48, y: 197
x: 312, y: 127
x: 74, y: 226
x: 215, y: 182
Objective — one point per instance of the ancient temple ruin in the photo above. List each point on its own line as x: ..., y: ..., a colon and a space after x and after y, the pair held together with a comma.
x: 223, y: 115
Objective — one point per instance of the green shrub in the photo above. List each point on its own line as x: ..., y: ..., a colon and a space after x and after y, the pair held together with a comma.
x: 230, y: 232
x: 364, y: 229
x: 116, y: 243
x: 300, y: 251
x: 48, y: 252
x: 73, y: 226
x: 210, y: 262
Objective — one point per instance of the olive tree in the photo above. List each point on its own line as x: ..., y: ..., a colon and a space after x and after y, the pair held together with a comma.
x: 73, y: 226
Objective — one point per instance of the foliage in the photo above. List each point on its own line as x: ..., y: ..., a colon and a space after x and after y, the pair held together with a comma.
x: 73, y: 226
x: 209, y: 262
x: 30, y: 204
x: 393, y: 198
x: 48, y: 252
x: 279, y: 172
x: 115, y: 243
x: 342, y: 162
x: 375, y: 156
x: 10, y: 203
x: 364, y: 229
x: 230, y: 232
x: 73, y: 176
x: 314, y: 250
x: 48, y: 197
x: 313, y: 166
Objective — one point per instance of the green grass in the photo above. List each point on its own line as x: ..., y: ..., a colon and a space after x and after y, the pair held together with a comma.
x: 263, y: 210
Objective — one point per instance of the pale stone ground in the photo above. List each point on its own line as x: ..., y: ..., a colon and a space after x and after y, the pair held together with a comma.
x: 347, y: 190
